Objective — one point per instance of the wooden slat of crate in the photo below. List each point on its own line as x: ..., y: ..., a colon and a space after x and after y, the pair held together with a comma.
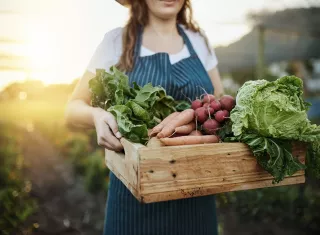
x: 202, y: 191
x: 167, y: 173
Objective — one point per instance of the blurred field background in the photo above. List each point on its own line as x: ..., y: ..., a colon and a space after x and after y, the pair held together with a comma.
x: 54, y: 180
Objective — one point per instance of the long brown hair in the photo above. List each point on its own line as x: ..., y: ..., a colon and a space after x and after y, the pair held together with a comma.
x: 139, y: 17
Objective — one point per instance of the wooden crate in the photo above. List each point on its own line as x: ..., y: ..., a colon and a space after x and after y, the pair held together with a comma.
x: 156, y: 174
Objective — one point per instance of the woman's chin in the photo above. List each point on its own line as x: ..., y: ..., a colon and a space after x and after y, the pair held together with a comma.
x: 167, y: 15
x: 165, y: 9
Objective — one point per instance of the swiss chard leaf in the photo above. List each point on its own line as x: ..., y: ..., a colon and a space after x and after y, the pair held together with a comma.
x: 135, y: 108
x: 137, y: 133
x: 138, y: 111
x: 182, y: 105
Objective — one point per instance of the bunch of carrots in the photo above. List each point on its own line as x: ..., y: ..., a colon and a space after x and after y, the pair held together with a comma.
x: 197, y: 125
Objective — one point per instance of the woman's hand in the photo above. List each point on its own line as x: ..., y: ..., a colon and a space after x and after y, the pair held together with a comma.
x: 107, y: 130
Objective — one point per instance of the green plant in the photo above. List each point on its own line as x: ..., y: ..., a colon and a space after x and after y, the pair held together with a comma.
x: 96, y: 173
x: 16, y: 205
x: 270, y: 115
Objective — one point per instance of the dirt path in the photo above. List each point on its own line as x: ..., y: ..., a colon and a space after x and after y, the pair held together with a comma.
x: 65, y: 207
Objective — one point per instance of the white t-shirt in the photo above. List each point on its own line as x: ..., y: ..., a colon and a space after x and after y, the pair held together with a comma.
x: 109, y: 51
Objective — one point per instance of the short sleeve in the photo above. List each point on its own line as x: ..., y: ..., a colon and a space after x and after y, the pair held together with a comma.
x: 211, y: 60
x: 108, y: 51
x: 206, y: 55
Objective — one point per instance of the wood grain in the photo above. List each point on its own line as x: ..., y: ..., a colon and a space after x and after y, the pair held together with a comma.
x: 203, y: 191
x: 156, y: 173
x: 126, y: 166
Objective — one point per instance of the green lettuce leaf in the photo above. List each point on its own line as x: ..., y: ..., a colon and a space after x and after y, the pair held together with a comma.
x: 268, y: 116
x: 313, y: 159
x: 273, y: 109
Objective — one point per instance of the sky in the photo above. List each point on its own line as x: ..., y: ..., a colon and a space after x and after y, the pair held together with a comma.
x: 55, y: 39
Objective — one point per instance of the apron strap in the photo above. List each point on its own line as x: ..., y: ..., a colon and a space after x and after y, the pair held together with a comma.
x: 187, y: 41
x: 137, y: 46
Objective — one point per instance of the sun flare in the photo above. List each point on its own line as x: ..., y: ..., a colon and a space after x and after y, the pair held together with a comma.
x: 42, y: 52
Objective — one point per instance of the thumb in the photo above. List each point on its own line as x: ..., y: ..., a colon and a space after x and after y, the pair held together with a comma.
x: 111, y: 121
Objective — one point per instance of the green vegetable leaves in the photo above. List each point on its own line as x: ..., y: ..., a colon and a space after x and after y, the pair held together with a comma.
x: 135, y: 108
x: 273, y: 109
x: 313, y: 159
x: 268, y: 116
x: 127, y: 125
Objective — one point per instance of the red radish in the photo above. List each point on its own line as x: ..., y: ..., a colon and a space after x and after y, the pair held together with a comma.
x: 196, y: 104
x: 201, y: 114
x: 227, y: 102
x: 208, y: 98
x: 215, y: 105
x: 210, y: 110
x: 206, y: 105
x: 221, y: 115
x: 211, y: 126
x: 226, y: 113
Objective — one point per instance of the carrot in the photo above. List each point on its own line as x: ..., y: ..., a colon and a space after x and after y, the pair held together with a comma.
x: 164, y: 122
x: 154, y: 142
x: 196, y: 133
x: 185, y: 117
x: 186, y: 129
x: 190, y: 140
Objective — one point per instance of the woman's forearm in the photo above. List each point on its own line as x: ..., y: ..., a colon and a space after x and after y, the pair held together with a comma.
x: 80, y: 115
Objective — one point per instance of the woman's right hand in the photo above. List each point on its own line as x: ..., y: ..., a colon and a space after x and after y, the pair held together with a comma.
x: 107, y: 130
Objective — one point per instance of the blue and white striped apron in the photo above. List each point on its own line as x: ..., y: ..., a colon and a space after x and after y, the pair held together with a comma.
x: 125, y: 215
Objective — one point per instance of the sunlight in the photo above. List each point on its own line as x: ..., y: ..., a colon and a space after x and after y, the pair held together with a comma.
x: 42, y: 52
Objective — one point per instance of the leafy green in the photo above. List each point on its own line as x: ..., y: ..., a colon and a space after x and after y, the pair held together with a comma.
x: 268, y: 116
x: 137, y: 133
x: 273, y: 109
x: 313, y: 159
x: 135, y: 108
x: 182, y: 105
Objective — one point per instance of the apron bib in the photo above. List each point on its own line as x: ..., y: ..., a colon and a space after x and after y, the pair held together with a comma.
x: 125, y: 215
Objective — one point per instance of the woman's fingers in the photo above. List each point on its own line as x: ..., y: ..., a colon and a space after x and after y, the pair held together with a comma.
x: 111, y: 121
x: 106, y: 136
x: 107, y: 128
x: 105, y: 144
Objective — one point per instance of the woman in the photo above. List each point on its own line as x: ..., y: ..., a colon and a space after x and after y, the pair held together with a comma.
x: 160, y: 44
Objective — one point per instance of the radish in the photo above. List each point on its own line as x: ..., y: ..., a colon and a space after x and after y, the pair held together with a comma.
x: 206, y: 105
x: 196, y: 104
x: 227, y: 102
x: 221, y: 115
x: 226, y: 113
x: 201, y: 114
x: 215, y: 105
x: 210, y: 111
x: 208, y: 98
x: 211, y: 126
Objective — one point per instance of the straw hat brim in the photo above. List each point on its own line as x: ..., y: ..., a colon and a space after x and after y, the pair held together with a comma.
x: 123, y: 2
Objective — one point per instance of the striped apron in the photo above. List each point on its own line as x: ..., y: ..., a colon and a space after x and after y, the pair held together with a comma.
x: 125, y: 215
